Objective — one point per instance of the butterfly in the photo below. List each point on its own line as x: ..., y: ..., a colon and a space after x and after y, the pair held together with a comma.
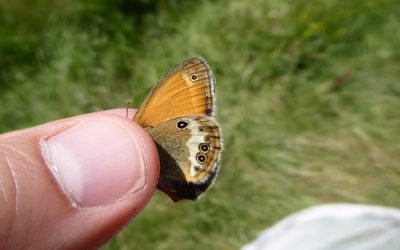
x: 179, y: 114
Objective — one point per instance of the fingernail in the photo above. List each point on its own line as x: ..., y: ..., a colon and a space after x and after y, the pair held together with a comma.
x: 96, y: 161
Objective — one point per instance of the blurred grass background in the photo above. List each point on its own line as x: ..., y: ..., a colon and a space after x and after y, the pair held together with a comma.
x: 308, y: 94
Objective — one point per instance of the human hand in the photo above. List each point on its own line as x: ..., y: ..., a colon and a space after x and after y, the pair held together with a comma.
x: 73, y: 183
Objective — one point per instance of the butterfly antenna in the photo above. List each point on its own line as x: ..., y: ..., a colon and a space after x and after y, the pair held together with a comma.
x: 127, y: 109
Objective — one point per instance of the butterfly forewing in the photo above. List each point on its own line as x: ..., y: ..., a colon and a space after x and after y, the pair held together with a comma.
x: 187, y: 89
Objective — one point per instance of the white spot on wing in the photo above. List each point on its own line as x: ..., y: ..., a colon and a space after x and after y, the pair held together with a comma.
x: 193, y: 143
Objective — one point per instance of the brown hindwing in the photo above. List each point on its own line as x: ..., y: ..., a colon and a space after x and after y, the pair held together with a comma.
x: 189, y: 155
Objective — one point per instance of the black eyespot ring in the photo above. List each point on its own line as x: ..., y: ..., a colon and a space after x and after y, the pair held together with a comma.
x: 201, y: 129
x: 193, y: 77
x: 197, y: 168
x: 207, y: 138
x: 204, y: 147
x: 182, y: 124
x: 201, y: 158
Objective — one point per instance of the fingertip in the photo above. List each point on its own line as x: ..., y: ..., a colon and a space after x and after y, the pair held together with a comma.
x: 150, y: 157
x: 94, y: 157
x: 101, y: 159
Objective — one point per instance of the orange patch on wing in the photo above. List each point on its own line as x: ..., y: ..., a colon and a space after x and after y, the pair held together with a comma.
x: 185, y: 90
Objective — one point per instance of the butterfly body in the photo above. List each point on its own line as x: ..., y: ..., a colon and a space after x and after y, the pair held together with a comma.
x: 179, y: 115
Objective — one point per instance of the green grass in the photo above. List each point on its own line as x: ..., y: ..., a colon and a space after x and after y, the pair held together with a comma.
x: 308, y: 97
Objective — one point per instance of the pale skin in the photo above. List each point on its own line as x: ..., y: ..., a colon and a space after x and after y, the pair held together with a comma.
x: 74, y: 183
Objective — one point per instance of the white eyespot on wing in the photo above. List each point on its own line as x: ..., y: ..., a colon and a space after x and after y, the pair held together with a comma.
x: 193, y: 144
x: 198, y: 137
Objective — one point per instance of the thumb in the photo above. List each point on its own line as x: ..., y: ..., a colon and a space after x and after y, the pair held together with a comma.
x: 75, y: 182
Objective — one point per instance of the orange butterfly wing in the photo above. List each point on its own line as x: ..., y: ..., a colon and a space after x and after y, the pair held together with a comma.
x: 187, y: 89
